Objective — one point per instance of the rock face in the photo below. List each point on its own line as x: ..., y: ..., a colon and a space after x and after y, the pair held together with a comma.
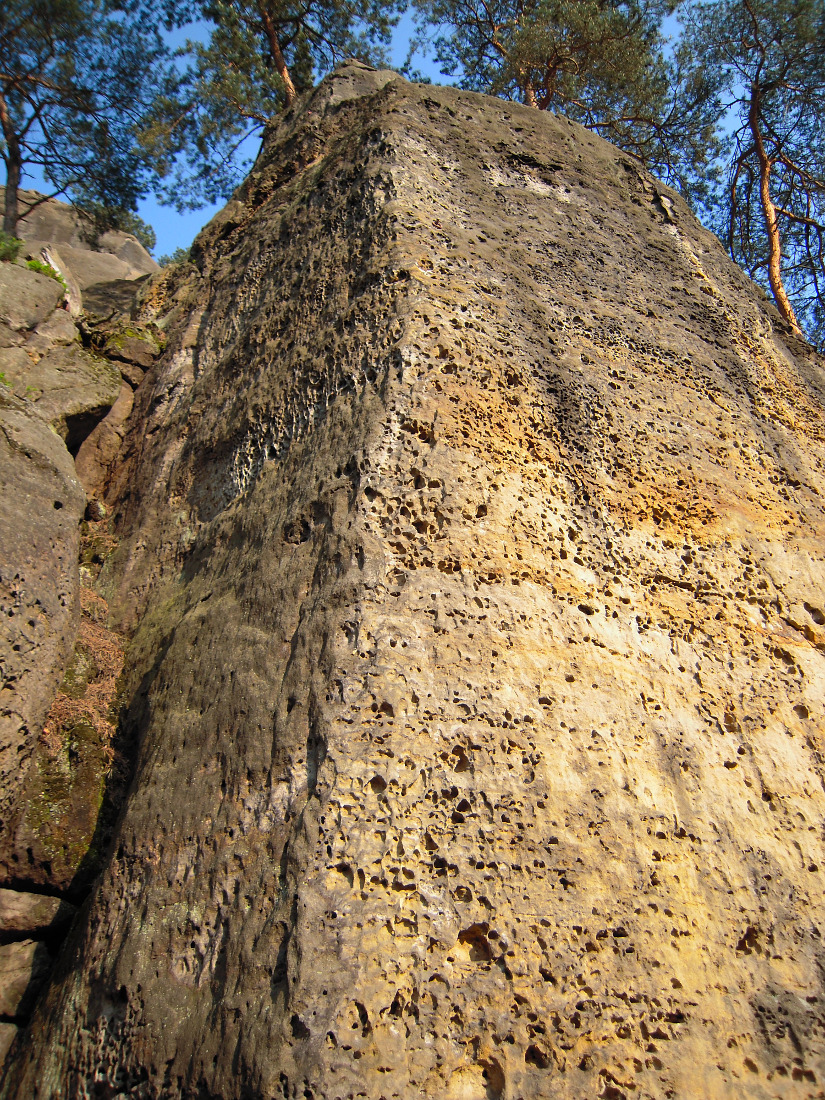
x: 41, y: 505
x: 62, y: 392
x: 472, y: 537
x: 114, y: 255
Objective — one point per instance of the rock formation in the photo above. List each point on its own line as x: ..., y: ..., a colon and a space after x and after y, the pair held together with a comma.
x: 471, y: 551
x: 92, y: 257
x: 64, y: 390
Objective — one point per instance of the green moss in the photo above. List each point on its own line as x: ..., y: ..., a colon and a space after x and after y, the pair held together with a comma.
x: 116, y: 341
x: 96, y: 550
x: 44, y: 269
x: 79, y: 674
x: 63, y: 807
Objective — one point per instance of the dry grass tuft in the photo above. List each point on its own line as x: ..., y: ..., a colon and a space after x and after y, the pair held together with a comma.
x: 103, y: 649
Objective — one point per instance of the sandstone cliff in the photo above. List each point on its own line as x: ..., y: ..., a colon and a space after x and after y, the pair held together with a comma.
x: 471, y: 546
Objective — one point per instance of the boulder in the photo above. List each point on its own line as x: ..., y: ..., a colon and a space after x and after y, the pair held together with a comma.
x: 58, y: 328
x: 109, y: 299
x: 114, y: 255
x: 98, y: 452
x: 41, y: 505
x: 46, y: 219
x: 90, y: 267
x: 70, y: 388
x: 26, y: 297
x: 24, y: 966
x: 133, y: 346
x: 32, y: 916
x: 130, y: 251
x: 48, y: 838
x: 47, y: 254
x: 15, y: 363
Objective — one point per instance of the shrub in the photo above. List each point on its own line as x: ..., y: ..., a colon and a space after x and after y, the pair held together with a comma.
x: 44, y: 269
x: 9, y: 247
x: 179, y: 256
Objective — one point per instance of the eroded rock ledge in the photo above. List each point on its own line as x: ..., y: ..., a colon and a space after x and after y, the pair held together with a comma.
x: 472, y: 532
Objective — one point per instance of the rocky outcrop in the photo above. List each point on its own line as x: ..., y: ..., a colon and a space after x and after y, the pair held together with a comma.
x: 42, y: 505
x: 92, y: 257
x: 60, y: 771
x: 471, y: 535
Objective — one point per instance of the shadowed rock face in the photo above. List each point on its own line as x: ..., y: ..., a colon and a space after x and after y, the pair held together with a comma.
x: 473, y: 538
x: 65, y: 389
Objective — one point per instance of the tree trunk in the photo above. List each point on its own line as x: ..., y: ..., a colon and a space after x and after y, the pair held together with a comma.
x: 277, y: 55
x: 14, y: 165
x: 530, y: 94
x: 769, y: 211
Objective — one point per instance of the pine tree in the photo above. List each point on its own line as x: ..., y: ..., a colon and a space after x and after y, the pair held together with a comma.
x: 768, y: 58
x: 599, y: 62
x: 259, y: 56
x: 76, y: 78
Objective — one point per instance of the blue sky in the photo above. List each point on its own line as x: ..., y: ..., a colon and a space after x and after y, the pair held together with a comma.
x: 176, y: 230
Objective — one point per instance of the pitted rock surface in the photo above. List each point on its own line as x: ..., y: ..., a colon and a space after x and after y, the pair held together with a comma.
x: 62, y: 768
x: 472, y: 529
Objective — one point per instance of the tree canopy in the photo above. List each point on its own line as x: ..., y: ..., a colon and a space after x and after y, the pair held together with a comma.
x: 732, y: 112
x: 768, y: 60
x: 76, y: 79
x: 600, y: 62
x: 258, y: 56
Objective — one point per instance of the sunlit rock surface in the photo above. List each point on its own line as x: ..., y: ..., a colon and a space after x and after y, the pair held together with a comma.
x: 472, y: 534
x: 92, y: 257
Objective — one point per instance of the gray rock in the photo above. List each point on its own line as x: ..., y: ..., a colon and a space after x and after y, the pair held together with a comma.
x: 49, y: 833
x: 26, y: 297
x: 352, y: 81
x: 49, y: 255
x: 32, y: 915
x: 70, y: 388
x: 99, y: 451
x: 14, y: 364
x: 140, y: 350
x: 24, y: 966
x: 41, y: 505
x: 131, y: 252
x: 49, y: 221
x: 9, y: 338
x: 45, y: 219
x: 108, y: 299
x: 86, y: 266
x: 58, y: 328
